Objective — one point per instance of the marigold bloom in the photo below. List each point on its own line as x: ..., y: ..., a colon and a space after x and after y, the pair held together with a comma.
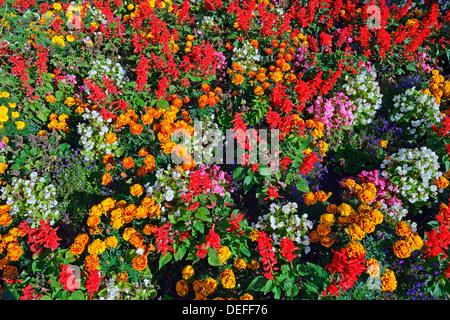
x: 223, y: 253
x: 209, y: 286
x: 228, y: 279
x: 14, y: 251
x: 402, y: 249
x: 91, y: 262
x: 96, y: 247
x: 187, y: 272
x: 355, y: 232
x: 388, y: 281
x: 111, y: 138
x: 240, y: 264
x: 111, y: 242
x: 106, y: 179
x: 327, y: 219
x: 327, y: 241
x: 403, y: 229
x: 139, y: 263
x: 182, y: 288
x: 441, y: 182
x: 323, y: 229
x: 344, y: 209
x: 355, y: 250
x: 309, y: 198
x: 136, y: 190
x: 237, y: 79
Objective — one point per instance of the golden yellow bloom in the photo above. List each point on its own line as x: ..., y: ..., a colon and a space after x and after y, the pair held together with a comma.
x: 355, y: 232
x: 3, y: 167
x: 389, y: 282
x: 57, y: 6
x: 254, y: 234
x: 59, y: 41
x: 139, y: 263
x: 327, y: 219
x: 187, y: 272
x: 15, y: 115
x: 136, y: 190
x: 228, y: 279
x: 91, y: 262
x: 240, y: 264
x: 111, y: 242
x: 355, y: 250
x: 19, y: 125
x: 441, y: 182
x: 383, y: 143
x: 415, y: 241
x: 327, y: 241
x: 344, y: 209
x: 209, y: 286
x: 182, y: 288
x: 237, y: 79
x: 309, y: 198
x: 223, y: 253
x: 96, y: 247
x: 373, y: 267
x: 323, y: 229
x: 402, y: 249
x: 4, y: 94
x: 403, y: 229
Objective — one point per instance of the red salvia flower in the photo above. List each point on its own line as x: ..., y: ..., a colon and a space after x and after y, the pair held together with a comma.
x: 41, y: 237
x: 268, y: 259
x: 163, y: 238
x: 92, y: 282
x: 287, y: 249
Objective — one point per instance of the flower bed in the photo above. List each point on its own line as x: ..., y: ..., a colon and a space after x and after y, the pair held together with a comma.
x: 224, y: 150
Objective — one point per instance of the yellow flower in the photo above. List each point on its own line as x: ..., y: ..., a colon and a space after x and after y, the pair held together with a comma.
x: 4, y: 94
x: 12, y: 105
x: 15, y: 115
x: 3, y: 110
x: 237, y: 79
x: 240, y: 263
x: 227, y: 278
x: 355, y: 250
x: 182, y: 288
x: 309, y: 198
x: 187, y: 272
x: 389, y: 282
x: 70, y: 38
x: 136, y: 190
x: 57, y: 6
x: 3, y: 117
x: 383, y: 143
x: 19, y: 125
x: 223, y: 253
x: 59, y: 41
x: 441, y: 182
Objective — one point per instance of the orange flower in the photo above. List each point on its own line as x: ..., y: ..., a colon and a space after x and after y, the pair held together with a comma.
x: 139, y: 263
x: 77, y: 248
x: 106, y: 179
x: 127, y: 162
x: 110, y: 137
x: 122, y: 276
x: 91, y: 262
x: 137, y: 129
x: 143, y: 152
x: 136, y: 190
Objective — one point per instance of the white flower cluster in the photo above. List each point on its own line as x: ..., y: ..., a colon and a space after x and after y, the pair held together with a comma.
x: 364, y: 91
x: 170, y: 185
x: 205, y: 26
x: 206, y: 140
x: 416, y: 112
x: 93, y: 136
x: 31, y: 199
x: 282, y: 221
x: 117, y: 290
x: 247, y: 56
x: 414, y: 171
x: 107, y: 67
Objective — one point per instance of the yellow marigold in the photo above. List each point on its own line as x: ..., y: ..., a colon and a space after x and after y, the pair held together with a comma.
x: 197, y: 285
x: 141, y: 212
x: 14, y: 251
x: 367, y: 225
x: 96, y: 247
x: 375, y: 216
x: 209, y: 286
x: 355, y: 250
x: 355, y: 232
x: 136, y: 240
x: 327, y: 241
x: 388, y: 281
x: 70, y: 38
x: 223, y: 253
x: 127, y: 233
x: 253, y: 265
x: 309, y: 198
x: 403, y: 229
x: 3, y: 167
x: 240, y: 264
x: 383, y: 143
x: 327, y: 219
x: 91, y: 262
x: 415, y: 241
x: 108, y: 204
x: 139, y: 263
x: 237, y: 79
x: 344, y: 209
x: 258, y: 91
x: 246, y: 296
x: 111, y: 138
x: 402, y: 249
x: 93, y: 221
x: 20, y: 125
x: 228, y: 279
x: 82, y: 238
x: 441, y: 182
x: 148, y: 229
x: 254, y: 234
x: 322, y: 196
x: 136, y: 190
x: 111, y: 242
x: 106, y: 179
x: 323, y: 229
x: 332, y: 208
x: 277, y: 76
x: 187, y: 272
x: 182, y: 288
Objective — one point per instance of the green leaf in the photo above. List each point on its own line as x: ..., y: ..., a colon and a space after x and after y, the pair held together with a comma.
x: 237, y: 174
x: 181, y: 251
x: 257, y: 283
x: 164, y: 259
x: 198, y: 225
x: 203, y: 214
x: 45, y: 297
x: 163, y: 104
x: 77, y: 295
x: 302, y: 185
x: 213, y: 260
x: 59, y: 95
x: 411, y: 66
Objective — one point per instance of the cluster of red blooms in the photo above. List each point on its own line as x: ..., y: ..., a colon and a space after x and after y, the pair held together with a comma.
x: 308, y: 163
x: 234, y: 223
x: 68, y: 279
x: 163, y: 238
x: 438, y: 240
x: 212, y: 240
x: 44, y: 236
x: 347, y: 268
x: 93, y: 282
x: 287, y: 249
x: 28, y: 293
x: 267, y: 253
